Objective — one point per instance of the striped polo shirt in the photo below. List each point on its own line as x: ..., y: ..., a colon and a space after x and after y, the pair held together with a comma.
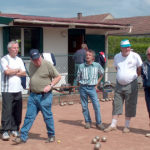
x: 88, y: 74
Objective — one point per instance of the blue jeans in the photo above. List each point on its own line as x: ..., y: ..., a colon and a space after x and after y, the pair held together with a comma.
x: 90, y: 91
x: 36, y: 103
x: 147, y: 99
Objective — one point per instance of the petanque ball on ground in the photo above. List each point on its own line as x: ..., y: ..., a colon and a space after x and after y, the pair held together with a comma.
x: 61, y: 104
x: 97, y: 146
x: 104, y: 139
x: 94, y: 141
x: 97, y: 138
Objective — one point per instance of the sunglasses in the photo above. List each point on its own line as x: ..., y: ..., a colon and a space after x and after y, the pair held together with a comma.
x: 148, y: 54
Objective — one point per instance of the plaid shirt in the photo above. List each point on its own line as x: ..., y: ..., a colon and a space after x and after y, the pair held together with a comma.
x: 88, y: 74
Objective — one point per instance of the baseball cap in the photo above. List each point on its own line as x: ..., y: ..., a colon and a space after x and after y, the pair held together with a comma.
x: 34, y: 54
x: 125, y: 43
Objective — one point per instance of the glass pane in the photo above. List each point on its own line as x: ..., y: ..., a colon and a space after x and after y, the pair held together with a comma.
x: 15, y: 34
x: 31, y: 39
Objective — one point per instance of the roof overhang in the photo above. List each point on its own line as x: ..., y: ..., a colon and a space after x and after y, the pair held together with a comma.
x: 66, y: 24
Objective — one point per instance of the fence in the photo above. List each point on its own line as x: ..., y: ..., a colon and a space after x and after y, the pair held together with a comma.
x: 66, y: 67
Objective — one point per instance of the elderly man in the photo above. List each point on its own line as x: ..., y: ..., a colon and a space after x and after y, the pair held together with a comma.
x: 146, y: 82
x: 128, y: 65
x: 12, y: 68
x: 87, y: 77
x: 43, y: 76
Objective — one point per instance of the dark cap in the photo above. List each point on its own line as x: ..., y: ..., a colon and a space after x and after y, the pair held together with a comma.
x: 34, y: 54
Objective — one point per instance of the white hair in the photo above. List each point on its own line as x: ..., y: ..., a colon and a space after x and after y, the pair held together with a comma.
x: 11, y: 43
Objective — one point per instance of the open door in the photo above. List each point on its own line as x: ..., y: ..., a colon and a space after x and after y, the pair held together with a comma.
x: 75, y: 38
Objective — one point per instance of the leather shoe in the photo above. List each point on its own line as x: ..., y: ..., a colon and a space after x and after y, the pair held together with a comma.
x: 50, y: 139
x: 108, y: 129
x: 18, y: 140
x: 87, y: 125
x: 126, y: 130
x: 148, y: 135
x: 100, y: 126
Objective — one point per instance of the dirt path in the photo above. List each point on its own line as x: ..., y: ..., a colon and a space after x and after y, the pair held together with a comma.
x: 69, y: 126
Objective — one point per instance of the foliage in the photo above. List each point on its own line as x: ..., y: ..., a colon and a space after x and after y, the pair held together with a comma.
x: 139, y: 44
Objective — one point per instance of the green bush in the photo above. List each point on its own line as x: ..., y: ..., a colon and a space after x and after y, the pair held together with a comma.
x: 138, y: 44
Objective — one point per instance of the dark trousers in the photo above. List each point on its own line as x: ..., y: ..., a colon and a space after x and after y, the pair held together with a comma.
x: 147, y: 98
x: 11, y: 111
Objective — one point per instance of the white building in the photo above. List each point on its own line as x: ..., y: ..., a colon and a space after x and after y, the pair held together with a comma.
x: 61, y: 36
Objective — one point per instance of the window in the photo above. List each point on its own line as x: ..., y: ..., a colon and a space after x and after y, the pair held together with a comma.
x: 28, y: 38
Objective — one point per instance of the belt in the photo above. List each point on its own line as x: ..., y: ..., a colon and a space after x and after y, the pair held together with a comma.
x: 41, y: 93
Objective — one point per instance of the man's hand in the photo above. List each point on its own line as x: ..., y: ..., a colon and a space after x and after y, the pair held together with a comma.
x: 47, y: 88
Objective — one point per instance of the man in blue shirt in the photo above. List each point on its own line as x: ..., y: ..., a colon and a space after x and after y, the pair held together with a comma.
x: 146, y: 82
x: 79, y: 57
x: 87, y: 76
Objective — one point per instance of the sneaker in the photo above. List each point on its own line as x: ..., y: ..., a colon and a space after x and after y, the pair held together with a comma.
x: 148, y: 135
x: 108, y: 129
x: 87, y: 125
x: 15, y: 133
x: 50, y: 139
x: 18, y: 140
x: 5, y: 136
x: 100, y: 126
x: 126, y: 130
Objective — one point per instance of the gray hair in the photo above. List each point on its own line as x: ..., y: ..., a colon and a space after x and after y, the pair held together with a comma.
x: 11, y: 43
x: 147, y: 50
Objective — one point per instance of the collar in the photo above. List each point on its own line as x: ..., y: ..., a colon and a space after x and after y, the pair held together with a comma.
x: 88, y: 64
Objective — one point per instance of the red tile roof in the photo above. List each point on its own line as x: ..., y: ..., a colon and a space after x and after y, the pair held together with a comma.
x: 141, y: 25
x: 93, y: 20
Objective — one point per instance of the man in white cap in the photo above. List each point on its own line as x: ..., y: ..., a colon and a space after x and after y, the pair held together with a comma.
x: 128, y: 65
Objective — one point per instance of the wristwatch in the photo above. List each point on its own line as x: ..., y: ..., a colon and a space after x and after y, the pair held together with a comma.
x: 51, y: 85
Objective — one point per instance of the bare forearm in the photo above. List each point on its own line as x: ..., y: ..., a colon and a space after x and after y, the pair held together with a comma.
x: 11, y: 72
x: 55, y: 80
x: 99, y: 80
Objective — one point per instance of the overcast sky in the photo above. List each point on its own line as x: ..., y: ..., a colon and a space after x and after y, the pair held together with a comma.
x: 70, y: 8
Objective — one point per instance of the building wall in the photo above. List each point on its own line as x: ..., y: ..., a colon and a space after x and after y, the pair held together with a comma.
x: 56, y: 41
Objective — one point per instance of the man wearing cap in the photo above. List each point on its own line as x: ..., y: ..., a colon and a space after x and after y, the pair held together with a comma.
x: 128, y: 65
x: 43, y: 76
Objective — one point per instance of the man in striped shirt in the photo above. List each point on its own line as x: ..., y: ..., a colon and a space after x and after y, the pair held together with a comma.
x: 89, y: 76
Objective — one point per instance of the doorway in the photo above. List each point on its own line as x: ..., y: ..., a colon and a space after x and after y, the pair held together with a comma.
x: 75, y: 38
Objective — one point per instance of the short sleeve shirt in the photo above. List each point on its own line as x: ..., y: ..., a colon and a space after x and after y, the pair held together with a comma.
x: 11, y: 83
x: 127, y: 67
x: 88, y: 74
x: 41, y: 76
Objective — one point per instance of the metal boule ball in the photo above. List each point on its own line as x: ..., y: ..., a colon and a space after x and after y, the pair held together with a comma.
x: 61, y: 104
x: 97, y: 146
x: 97, y: 138
x: 70, y: 103
x: 103, y: 100
x: 106, y: 99
x: 65, y: 103
x: 94, y: 141
x: 104, y: 139
x: 109, y: 99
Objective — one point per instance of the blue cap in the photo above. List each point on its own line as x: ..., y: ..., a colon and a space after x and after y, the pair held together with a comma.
x: 34, y: 54
x: 125, y: 43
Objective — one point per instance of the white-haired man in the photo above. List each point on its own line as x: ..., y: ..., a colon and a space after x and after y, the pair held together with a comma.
x: 128, y: 65
x: 12, y: 68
